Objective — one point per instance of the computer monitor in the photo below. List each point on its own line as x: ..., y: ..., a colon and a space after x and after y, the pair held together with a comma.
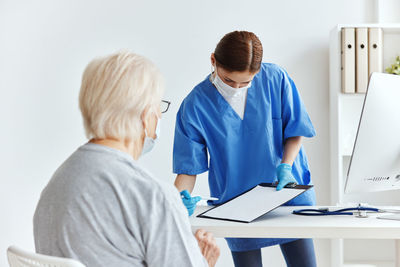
x: 375, y: 161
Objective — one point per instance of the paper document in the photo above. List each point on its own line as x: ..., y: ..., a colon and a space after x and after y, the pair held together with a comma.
x: 254, y: 203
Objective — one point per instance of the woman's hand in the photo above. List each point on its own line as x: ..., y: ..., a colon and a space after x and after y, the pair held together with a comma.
x: 189, y: 201
x: 185, y: 183
x: 208, y: 246
x: 285, y: 176
x: 284, y: 170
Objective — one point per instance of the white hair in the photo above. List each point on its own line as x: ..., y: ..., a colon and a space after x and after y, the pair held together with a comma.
x: 115, y: 91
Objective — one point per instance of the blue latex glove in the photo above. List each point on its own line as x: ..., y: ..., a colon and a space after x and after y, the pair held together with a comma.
x: 189, y: 202
x: 285, y: 177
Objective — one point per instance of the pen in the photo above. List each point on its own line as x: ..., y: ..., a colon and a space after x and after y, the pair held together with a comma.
x: 209, y: 198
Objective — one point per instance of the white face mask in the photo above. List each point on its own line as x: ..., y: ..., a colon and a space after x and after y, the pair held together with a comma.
x: 149, y: 142
x: 225, y: 89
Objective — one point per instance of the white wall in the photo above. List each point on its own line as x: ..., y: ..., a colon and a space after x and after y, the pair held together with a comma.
x: 45, y: 45
x: 387, y: 11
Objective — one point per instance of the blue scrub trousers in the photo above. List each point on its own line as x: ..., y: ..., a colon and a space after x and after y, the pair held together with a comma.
x: 298, y: 253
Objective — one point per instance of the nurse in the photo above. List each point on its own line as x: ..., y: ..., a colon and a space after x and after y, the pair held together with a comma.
x: 249, y: 118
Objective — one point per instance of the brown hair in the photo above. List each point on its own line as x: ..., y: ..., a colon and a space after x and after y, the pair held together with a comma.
x: 239, y: 51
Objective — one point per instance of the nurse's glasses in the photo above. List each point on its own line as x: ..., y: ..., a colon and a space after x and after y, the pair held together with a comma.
x: 164, y: 106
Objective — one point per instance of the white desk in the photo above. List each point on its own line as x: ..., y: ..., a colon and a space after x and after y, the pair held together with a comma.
x: 281, y: 223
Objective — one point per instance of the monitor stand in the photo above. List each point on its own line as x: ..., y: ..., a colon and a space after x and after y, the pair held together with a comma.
x: 395, y: 217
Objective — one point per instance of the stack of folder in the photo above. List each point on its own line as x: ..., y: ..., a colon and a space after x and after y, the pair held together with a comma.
x: 362, y: 54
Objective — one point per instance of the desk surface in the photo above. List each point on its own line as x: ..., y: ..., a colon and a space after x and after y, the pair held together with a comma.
x: 281, y: 223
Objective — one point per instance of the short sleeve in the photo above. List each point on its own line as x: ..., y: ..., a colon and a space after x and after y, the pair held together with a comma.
x: 295, y: 119
x: 190, y: 151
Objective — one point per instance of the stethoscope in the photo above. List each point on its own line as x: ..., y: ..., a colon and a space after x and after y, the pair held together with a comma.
x: 359, y: 211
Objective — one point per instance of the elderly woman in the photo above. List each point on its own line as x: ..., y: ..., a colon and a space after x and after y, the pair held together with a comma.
x: 100, y: 207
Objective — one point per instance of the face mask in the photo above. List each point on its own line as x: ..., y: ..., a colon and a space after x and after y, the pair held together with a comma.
x: 149, y: 142
x: 225, y: 89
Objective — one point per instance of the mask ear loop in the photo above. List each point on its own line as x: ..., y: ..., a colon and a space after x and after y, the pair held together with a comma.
x: 213, y: 73
x: 157, y: 125
x: 145, y: 127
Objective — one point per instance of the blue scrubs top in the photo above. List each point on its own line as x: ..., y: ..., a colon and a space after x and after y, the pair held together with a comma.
x: 243, y: 153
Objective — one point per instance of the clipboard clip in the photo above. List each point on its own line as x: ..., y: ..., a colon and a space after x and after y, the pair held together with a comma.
x: 289, y: 185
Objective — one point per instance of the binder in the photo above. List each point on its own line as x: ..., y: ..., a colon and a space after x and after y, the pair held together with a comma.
x: 254, y: 203
x: 375, y: 47
x: 362, y: 73
x: 348, y: 60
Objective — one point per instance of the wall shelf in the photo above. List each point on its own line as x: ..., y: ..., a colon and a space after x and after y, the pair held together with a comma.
x: 345, y: 111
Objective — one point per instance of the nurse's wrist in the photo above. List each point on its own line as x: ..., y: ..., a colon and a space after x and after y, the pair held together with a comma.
x: 287, y: 160
x: 284, y: 165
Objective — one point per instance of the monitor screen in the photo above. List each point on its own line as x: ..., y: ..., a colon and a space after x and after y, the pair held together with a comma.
x: 375, y: 161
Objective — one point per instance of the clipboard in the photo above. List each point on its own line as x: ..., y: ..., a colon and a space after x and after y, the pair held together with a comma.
x: 254, y: 203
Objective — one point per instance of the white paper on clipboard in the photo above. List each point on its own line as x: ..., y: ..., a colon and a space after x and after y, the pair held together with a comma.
x: 254, y: 203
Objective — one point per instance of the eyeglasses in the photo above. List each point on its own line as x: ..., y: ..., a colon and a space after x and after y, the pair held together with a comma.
x: 164, y: 106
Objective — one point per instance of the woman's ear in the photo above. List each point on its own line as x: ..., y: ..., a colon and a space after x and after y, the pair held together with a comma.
x: 144, y: 117
x: 212, y: 59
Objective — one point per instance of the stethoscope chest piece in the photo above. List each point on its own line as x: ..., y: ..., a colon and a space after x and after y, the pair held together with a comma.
x: 362, y: 214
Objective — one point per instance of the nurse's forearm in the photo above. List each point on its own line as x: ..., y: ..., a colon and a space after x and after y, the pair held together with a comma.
x: 292, y: 148
x: 185, y: 182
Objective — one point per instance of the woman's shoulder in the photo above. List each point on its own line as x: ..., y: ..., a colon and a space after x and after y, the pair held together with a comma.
x: 102, y: 169
x: 157, y: 192
x: 146, y: 181
x: 272, y: 69
x: 271, y: 73
x: 129, y: 179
